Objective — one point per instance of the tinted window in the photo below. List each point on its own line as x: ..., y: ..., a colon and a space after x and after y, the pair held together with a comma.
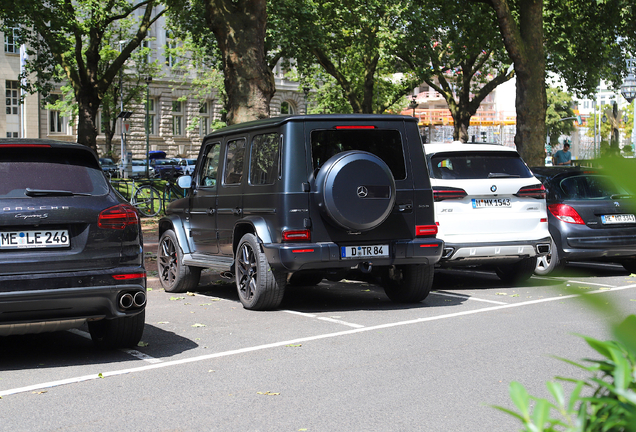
x: 234, y: 158
x: 588, y: 187
x: 478, y: 165
x: 264, y: 159
x: 49, y: 169
x: 210, y: 163
x: 386, y: 144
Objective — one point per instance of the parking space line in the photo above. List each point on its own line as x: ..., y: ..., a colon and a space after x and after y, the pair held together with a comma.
x: 332, y: 320
x: 297, y: 341
x: 590, y: 283
x: 551, y: 278
x: 132, y: 352
x: 466, y: 297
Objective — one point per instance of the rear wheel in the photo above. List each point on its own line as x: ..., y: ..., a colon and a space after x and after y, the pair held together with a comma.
x: 147, y: 201
x: 173, y: 274
x: 408, y: 283
x: 550, y: 263
x: 119, y: 332
x: 259, y: 286
x: 518, y: 272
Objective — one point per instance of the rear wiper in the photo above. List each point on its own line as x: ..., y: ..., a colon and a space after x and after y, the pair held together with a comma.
x: 47, y: 192
x: 618, y: 196
x: 502, y: 175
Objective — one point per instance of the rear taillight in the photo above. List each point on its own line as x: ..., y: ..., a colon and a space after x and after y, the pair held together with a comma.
x: 534, y: 191
x: 565, y: 213
x: 296, y: 235
x: 118, y: 217
x: 129, y: 276
x: 425, y: 230
x: 441, y: 193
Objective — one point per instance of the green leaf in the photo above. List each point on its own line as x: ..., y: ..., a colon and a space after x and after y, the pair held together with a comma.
x: 508, y: 411
x: 625, y: 333
x: 541, y: 413
x: 557, y: 393
x: 142, y: 344
x: 176, y: 298
x: 198, y: 325
x: 520, y: 398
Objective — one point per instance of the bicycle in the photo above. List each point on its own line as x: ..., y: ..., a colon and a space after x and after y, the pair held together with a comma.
x: 171, y: 191
x: 145, y: 197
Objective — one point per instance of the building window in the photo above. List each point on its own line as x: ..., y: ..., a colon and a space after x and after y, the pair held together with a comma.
x: 204, y: 119
x: 58, y: 124
x: 171, y: 45
x: 287, y: 108
x: 10, y: 38
x: 177, y: 118
x: 12, y: 97
x: 151, y: 116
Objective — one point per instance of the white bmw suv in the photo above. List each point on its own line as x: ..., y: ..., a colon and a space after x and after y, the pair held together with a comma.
x: 489, y: 207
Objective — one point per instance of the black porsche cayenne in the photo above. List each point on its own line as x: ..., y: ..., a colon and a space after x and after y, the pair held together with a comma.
x: 70, y: 246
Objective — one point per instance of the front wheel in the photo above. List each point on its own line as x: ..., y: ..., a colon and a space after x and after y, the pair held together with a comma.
x: 259, y: 286
x: 173, y: 274
x: 147, y: 201
x: 119, y: 332
x: 408, y: 283
x: 518, y: 272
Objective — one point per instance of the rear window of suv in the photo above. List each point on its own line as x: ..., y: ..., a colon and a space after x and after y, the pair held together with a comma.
x: 56, y: 169
x: 386, y: 144
x: 478, y: 165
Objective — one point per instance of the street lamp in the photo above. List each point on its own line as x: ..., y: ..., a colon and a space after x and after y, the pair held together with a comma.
x: 628, y: 89
x: 413, y: 104
x: 306, y: 92
x: 148, y: 81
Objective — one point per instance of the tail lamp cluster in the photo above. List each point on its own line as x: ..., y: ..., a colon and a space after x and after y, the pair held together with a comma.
x: 441, y: 193
x: 118, y: 217
x: 566, y: 213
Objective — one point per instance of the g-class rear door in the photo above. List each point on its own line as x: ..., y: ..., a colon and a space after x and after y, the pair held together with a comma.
x: 230, y: 191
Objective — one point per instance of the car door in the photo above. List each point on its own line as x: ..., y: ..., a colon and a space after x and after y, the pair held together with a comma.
x: 230, y: 192
x: 203, y: 202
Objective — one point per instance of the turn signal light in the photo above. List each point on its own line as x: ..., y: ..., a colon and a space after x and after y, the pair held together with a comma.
x: 425, y: 230
x: 297, y: 235
x: 566, y: 213
x: 534, y: 191
x: 118, y: 217
x: 441, y: 193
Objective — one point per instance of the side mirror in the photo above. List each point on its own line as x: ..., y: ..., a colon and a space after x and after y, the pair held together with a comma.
x: 185, y: 182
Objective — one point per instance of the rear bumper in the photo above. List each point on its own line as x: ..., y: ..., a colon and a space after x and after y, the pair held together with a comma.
x: 313, y: 256
x: 580, y: 243
x: 457, y: 254
x: 67, y: 297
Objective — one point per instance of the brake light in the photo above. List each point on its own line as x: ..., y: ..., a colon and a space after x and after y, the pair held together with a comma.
x: 425, y: 230
x: 118, y: 217
x: 534, y: 191
x: 297, y: 235
x: 356, y: 127
x: 566, y: 213
x: 129, y: 276
x: 441, y: 193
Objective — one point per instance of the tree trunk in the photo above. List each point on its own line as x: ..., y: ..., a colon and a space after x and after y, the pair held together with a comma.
x: 460, y: 130
x: 524, y: 43
x: 87, y: 114
x: 240, y: 33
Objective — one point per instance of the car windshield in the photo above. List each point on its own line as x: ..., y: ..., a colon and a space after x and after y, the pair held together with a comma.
x: 165, y: 162
x: 386, y: 144
x: 466, y: 165
x: 53, y: 170
x: 589, y: 187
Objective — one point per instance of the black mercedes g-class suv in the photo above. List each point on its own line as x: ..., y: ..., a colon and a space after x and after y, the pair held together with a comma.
x: 295, y: 199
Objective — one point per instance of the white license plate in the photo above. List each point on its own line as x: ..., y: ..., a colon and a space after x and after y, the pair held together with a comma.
x: 491, y: 202
x: 618, y: 218
x: 364, y: 251
x: 34, y: 239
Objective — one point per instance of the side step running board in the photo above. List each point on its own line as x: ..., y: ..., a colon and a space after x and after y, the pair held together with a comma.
x: 220, y: 263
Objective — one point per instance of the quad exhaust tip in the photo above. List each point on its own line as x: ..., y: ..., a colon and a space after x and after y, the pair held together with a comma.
x: 132, y: 300
x: 448, y: 252
x: 543, y: 249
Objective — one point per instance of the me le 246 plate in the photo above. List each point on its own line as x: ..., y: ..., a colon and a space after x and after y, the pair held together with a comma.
x: 34, y: 239
x: 374, y: 251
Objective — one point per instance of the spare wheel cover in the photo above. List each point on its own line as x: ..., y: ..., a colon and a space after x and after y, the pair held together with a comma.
x: 356, y: 190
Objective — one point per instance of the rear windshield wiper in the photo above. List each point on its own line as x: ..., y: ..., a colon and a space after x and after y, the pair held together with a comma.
x: 502, y: 175
x: 618, y: 196
x: 47, y: 192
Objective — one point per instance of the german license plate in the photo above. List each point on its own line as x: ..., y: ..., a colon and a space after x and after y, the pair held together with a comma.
x: 364, y: 251
x: 618, y: 218
x: 34, y: 239
x: 491, y: 202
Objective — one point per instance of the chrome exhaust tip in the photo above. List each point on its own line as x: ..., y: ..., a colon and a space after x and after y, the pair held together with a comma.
x: 139, y: 299
x: 365, y: 267
x: 543, y: 249
x: 126, y: 301
x: 448, y: 252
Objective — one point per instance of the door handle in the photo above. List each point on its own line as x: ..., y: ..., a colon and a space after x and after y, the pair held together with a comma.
x: 237, y: 211
x: 211, y: 211
x: 405, y: 207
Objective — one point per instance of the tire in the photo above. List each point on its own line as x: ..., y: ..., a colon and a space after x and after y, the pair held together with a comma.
x: 147, y: 201
x: 630, y: 265
x: 173, y: 274
x: 259, y: 286
x: 550, y: 263
x: 408, y: 283
x: 355, y: 190
x: 119, y: 332
x: 305, y: 279
x: 518, y: 272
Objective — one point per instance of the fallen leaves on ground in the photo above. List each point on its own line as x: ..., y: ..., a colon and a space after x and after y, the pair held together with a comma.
x: 198, y: 325
x: 177, y: 298
x: 267, y: 393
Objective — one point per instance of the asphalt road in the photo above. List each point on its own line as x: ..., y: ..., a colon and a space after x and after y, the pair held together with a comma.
x: 336, y: 357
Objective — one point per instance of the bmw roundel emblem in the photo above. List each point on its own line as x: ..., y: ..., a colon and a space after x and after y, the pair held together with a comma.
x: 493, y: 188
x: 362, y: 191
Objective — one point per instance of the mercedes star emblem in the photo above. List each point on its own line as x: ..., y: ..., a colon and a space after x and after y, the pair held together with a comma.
x: 362, y: 191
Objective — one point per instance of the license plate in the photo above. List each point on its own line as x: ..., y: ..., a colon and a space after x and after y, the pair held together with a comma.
x: 364, y: 251
x: 491, y: 202
x: 34, y: 239
x: 618, y: 218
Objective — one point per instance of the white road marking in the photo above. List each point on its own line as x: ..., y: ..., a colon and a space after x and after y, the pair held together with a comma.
x: 590, y: 283
x: 132, y: 352
x: 332, y: 320
x: 294, y: 342
x: 466, y: 297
